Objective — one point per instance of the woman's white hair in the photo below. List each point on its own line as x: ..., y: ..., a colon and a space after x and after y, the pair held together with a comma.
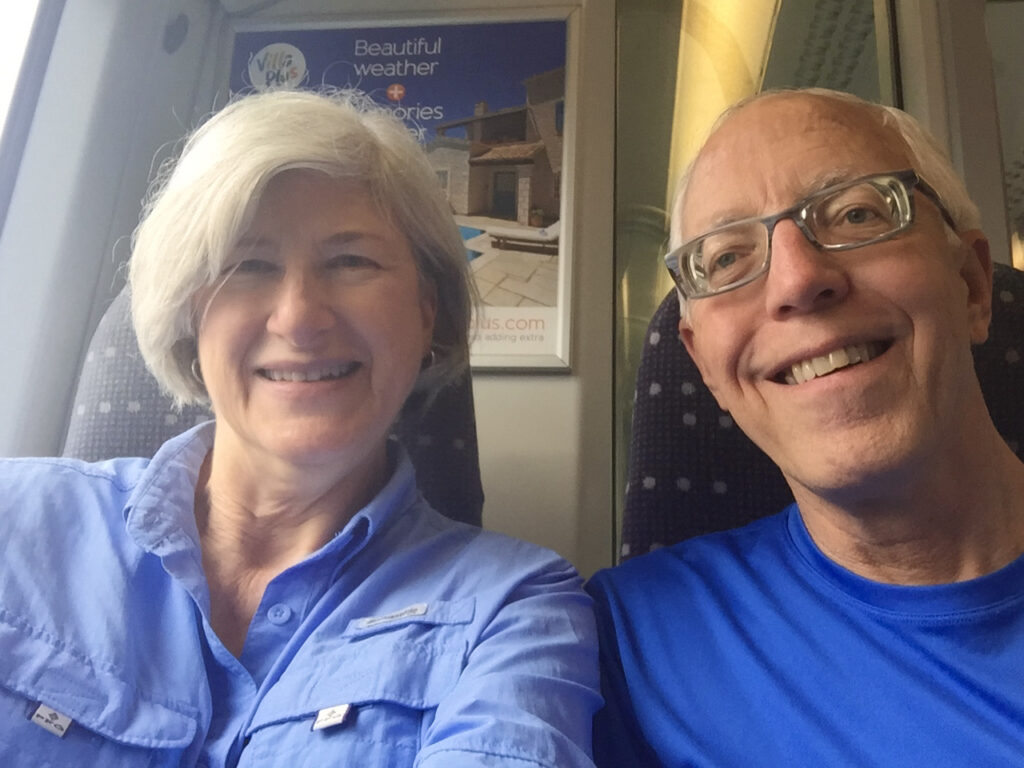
x: 199, y: 206
x: 926, y: 155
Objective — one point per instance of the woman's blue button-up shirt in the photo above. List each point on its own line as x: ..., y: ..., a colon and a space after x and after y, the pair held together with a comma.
x: 408, y: 639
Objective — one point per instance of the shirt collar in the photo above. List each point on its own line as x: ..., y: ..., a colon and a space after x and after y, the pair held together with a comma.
x: 397, y: 494
x: 160, y: 515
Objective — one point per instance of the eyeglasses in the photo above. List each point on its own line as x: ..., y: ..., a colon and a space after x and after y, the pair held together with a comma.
x: 843, y: 217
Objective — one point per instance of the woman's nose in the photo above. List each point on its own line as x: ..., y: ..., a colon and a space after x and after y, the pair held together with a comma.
x: 301, y: 311
x: 802, y: 277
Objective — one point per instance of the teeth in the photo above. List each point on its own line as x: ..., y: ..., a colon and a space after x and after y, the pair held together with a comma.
x: 833, y: 361
x: 334, y: 372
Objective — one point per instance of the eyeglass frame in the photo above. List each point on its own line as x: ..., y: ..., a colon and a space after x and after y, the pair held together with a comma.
x: 799, y: 213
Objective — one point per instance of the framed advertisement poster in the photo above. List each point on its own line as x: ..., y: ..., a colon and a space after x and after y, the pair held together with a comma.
x: 491, y: 101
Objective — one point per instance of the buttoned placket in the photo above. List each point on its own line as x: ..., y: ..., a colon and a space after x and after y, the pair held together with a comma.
x: 283, y: 621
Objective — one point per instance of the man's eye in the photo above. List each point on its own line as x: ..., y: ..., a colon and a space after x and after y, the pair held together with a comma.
x: 724, y: 260
x: 728, y: 262
x: 861, y: 215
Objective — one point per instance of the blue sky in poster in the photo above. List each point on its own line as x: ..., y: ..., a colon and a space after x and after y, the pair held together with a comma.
x: 444, y: 69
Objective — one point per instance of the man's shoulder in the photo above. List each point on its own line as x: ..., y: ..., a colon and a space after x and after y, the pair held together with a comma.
x: 725, y: 556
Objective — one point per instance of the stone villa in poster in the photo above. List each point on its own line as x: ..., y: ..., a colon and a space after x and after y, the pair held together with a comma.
x: 509, y: 164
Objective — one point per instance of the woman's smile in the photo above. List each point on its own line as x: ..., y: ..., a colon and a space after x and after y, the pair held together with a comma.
x: 308, y: 374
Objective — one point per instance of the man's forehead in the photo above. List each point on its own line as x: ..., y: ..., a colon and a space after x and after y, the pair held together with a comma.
x: 789, y: 145
x: 788, y: 115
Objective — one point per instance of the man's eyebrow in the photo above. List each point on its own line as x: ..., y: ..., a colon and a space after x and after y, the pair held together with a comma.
x: 821, y: 181
x: 828, y: 179
x: 725, y: 218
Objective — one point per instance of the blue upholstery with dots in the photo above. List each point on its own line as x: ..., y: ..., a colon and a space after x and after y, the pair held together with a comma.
x: 119, y: 410
x: 692, y: 471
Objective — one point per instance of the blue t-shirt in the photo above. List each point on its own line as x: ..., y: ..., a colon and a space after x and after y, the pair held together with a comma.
x: 751, y: 648
x: 408, y: 638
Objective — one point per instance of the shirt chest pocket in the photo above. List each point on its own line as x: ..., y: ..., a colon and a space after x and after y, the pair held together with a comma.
x: 390, y: 672
x: 110, y: 725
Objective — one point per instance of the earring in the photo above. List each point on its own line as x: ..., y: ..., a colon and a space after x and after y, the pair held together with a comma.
x: 428, y: 362
x: 197, y: 373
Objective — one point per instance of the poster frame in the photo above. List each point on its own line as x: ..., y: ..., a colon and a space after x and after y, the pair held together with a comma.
x: 493, y: 325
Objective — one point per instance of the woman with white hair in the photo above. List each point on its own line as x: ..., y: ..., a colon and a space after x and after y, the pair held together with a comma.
x: 271, y: 589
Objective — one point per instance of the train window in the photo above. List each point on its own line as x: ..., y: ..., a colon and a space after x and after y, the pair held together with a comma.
x: 14, y: 36
x: 1004, y: 21
x: 26, y: 37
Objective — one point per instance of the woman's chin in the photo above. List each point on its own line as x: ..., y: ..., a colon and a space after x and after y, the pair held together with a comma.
x: 321, y: 445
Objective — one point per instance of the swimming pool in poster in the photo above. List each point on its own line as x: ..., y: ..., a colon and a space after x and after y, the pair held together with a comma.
x: 467, y: 233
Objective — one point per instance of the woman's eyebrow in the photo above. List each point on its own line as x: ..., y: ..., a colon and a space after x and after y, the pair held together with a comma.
x: 251, y: 242
x: 348, y: 236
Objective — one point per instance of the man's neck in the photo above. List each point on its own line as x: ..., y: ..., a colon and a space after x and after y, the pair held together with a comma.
x: 959, y: 517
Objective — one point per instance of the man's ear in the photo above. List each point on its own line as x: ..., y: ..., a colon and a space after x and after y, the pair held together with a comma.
x: 686, y: 336
x: 976, y: 272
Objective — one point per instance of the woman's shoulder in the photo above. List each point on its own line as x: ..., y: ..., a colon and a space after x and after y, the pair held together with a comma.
x: 35, y: 482
x: 71, y: 510
x: 491, y: 549
x: 72, y: 513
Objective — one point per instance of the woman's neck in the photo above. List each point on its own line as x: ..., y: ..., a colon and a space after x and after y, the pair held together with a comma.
x: 257, y: 518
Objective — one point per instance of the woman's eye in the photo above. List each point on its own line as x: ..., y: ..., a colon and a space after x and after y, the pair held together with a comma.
x: 254, y: 266
x: 350, y: 261
x: 251, y: 267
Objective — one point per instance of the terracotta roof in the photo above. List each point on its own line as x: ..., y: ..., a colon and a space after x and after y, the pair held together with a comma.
x: 510, y: 153
x: 477, y: 118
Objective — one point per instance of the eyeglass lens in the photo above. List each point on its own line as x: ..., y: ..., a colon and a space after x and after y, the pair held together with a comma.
x: 853, y: 215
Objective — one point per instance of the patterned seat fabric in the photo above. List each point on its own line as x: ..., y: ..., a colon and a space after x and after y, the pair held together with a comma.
x: 119, y: 410
x: 692, y: 471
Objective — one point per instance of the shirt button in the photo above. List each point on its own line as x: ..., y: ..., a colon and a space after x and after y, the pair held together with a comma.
x: 279, y: 613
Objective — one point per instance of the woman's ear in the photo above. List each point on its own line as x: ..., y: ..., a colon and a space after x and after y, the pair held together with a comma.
x: 428, y: 313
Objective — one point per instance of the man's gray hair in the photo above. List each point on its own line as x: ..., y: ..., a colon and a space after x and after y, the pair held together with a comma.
x: 927, y: 157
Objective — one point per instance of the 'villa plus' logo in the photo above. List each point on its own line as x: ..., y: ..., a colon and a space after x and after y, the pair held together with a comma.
x: 278, y: 65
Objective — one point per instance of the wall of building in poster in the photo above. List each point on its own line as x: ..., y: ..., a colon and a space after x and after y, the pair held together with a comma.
x: 487, y: 101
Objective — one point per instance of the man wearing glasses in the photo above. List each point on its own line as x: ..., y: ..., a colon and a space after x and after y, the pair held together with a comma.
x: 833, y: 278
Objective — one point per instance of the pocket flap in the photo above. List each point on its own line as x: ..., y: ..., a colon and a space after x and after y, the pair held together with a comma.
x: 412, y: 661
x: 435, y: 612
x: 94, y: 696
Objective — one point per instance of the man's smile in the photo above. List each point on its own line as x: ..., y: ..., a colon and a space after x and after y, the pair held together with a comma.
x: 822, y: 365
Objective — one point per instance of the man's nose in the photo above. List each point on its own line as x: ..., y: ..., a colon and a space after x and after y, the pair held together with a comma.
x: 802, y: 277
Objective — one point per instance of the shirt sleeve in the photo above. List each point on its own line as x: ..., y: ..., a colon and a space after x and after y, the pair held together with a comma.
x: 529, y: 689
x: 618, y: 739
